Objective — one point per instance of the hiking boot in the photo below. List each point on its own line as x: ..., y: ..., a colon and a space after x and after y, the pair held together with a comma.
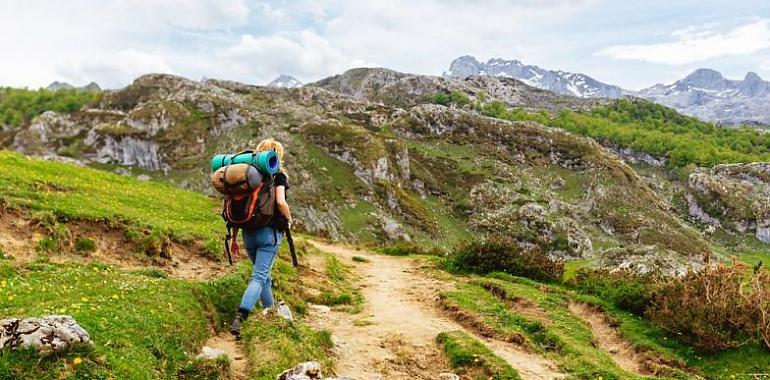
x: 235, y: 327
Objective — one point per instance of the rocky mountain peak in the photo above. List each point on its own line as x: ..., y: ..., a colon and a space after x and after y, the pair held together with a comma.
x: 285, y: 81
x: 57, y: 85
x: 560, y: 82
x: 464, y: 66
x: 752, y: 77
x: 705, y: 78
x: 708, y: 95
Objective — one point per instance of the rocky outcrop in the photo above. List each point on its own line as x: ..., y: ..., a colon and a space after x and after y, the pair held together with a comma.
x: 648, y: 259
x: 400, y: 89
x: 46, y: 335
x: 735, y: 197
x: 369, y: 157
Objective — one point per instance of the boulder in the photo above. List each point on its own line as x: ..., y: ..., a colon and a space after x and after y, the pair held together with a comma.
x: 46, y: 335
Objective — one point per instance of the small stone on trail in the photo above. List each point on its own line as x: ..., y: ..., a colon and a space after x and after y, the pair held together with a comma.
x: 208, y: 353
x: 448, y: 376
x: 46, y: 335
x: 307, y: 371
x: 613, y: 350
x: 284, y: 311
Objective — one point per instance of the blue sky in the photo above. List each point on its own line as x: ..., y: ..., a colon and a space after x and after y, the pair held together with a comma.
x: 632, y: 44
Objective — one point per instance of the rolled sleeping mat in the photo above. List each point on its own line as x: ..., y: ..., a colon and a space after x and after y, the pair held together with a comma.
x: 267, y: 162
x: 236, y: 179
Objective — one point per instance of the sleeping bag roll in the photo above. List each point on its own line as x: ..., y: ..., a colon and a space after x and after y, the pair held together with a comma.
x: 267, y: 162
x: 236, y: 179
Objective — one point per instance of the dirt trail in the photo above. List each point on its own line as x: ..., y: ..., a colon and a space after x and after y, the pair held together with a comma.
x: 394, y: 336
x: 609, y: 340
x: 227, y: 343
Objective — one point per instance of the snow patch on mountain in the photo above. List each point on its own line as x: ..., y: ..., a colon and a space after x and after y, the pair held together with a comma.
x: 560, y: 82
x: 285, y: 81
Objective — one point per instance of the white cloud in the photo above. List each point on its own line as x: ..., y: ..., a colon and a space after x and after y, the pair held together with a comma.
x: 697, y: 44
x: 192, y: 14
x: 304, y: 54
x: 114, y: 70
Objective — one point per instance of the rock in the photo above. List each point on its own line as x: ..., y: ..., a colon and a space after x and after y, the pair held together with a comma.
x: 46, y: 335
x: 448, y: 376
x: 208, y: 353
x: 303, y: 371
x: 307, y: 371
x: 613, y: 350
x: 284, y: 312
x: 735, y: 197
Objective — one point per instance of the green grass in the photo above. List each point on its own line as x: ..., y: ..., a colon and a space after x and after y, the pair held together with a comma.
x: 572, y: 266
x: 81, y: 193
x: 357, y: 220
x: 335, y: 288
x: 143, y: 327
x: 561, y: 336
x: 276, y: 345
x: 469, y: 356
x: 146, y: 325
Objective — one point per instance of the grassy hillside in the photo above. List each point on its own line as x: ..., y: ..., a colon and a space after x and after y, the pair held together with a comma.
x: 71, y: 192
x: 145, y: 323
x: 648, y: 127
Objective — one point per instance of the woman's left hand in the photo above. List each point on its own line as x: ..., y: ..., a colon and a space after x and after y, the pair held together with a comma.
x: 235, y: 250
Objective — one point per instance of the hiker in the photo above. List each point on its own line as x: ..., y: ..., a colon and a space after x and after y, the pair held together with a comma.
x: 262, y: 245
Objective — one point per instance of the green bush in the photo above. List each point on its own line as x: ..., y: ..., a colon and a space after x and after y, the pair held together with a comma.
x: 154, y: 243
x: 624, y: 289
x: 85, y: 245
x: 651, y: 128
x: 501, y: 255
x: 18, y: 106
x: 405, y: 249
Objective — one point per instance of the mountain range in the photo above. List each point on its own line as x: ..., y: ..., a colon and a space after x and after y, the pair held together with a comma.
x: 705, y: 94
x: 57, y: 85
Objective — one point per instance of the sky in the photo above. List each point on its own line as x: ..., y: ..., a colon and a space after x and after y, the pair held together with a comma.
x: 633, y: 44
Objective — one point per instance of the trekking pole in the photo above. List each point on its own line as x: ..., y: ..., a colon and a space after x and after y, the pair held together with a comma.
x: 291, y: 248
x: 227, y: 248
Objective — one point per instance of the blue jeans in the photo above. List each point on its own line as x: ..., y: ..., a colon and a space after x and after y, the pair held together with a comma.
x: 262, y: 246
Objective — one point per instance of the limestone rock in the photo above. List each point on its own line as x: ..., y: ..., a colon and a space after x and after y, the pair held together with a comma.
x: 735, y: 197
x: 303, y: 371
x: 208, y: 353
x: 307, y: 371
x: 46, y: 335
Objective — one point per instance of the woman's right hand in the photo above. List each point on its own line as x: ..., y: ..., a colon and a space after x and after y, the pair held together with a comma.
x: 235, y: 250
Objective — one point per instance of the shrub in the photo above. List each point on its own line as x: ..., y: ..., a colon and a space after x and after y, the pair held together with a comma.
x: 760, y: 299
x: 85, y: 245
x: 501, y: 255
x: 154, y: 243
x: 408, y: 248
x: 624, y: 289
x: 46, y: 245
x: 711, y: 309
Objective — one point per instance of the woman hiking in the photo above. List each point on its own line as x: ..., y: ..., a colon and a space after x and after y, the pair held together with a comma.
x: 262, y: 245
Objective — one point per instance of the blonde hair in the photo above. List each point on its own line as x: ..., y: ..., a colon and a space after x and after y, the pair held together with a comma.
x: 271, y: 144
